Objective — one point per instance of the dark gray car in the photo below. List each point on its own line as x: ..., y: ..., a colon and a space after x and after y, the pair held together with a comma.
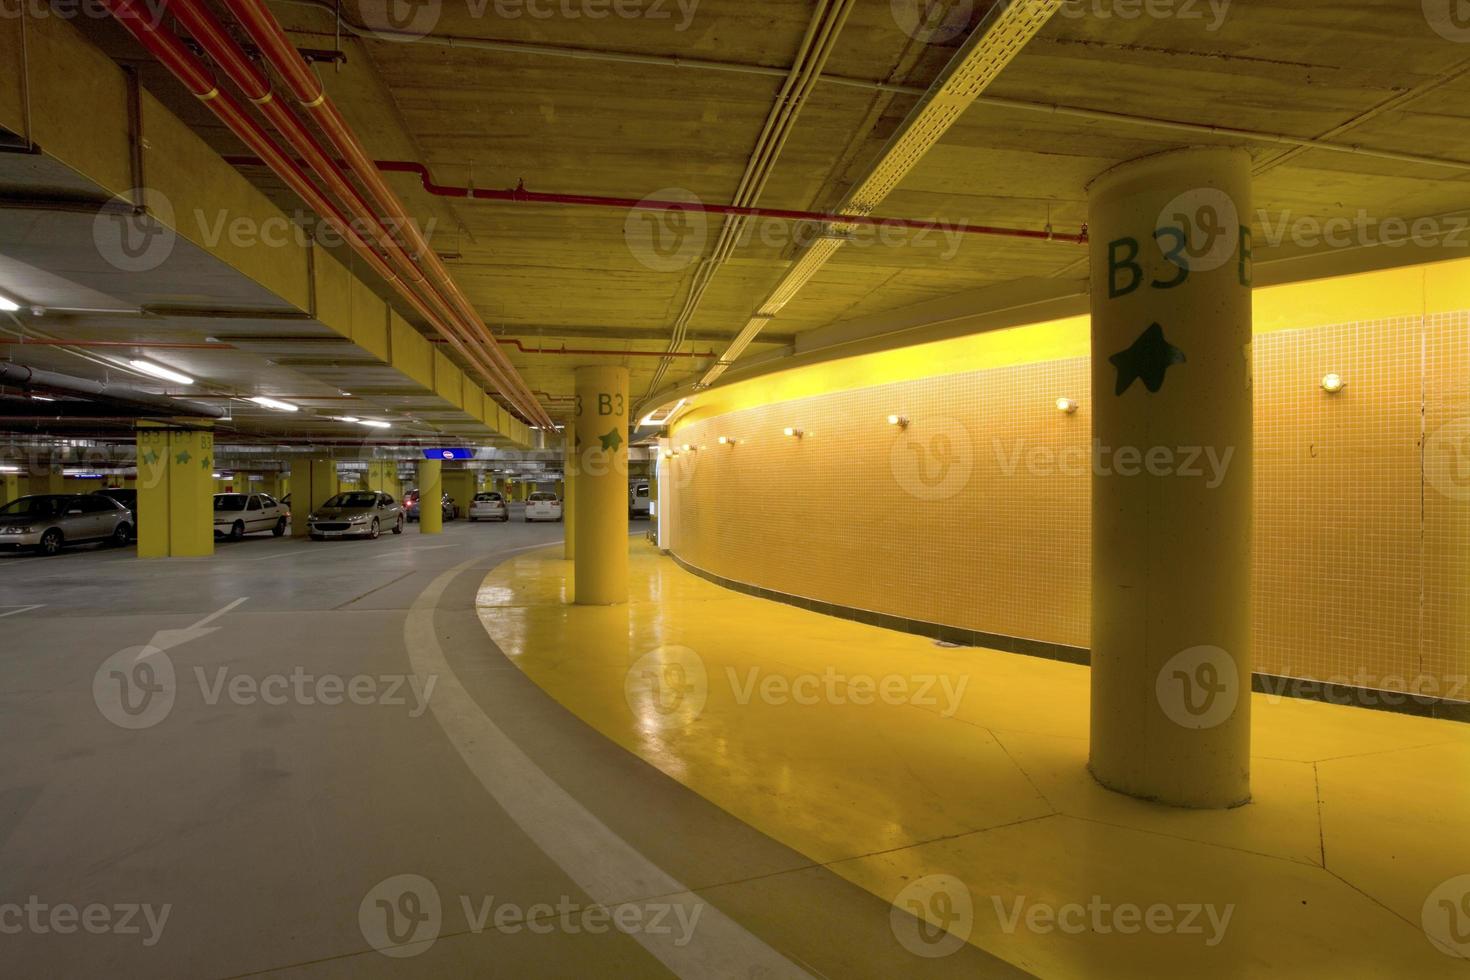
x: 47, y: 522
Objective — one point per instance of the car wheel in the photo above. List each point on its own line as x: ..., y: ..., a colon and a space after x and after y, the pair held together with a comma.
x: 122, y: 534
x: 398, y: 528
x: 51, y: 543
x: 280, y: 527
x: 373, y: 529
x: 237, y: 531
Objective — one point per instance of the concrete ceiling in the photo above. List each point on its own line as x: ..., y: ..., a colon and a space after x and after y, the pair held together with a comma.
x: 1365, y: 73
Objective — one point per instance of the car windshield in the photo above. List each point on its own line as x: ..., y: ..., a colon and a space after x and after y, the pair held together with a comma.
x: 543, y: 496
x: 487, y: 497
x: 40, y: 506
x: 229, y: 501
x: 361, y: 498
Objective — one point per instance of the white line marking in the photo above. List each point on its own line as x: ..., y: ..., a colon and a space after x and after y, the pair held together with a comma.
x: 16, y: 611
x: 602, y: 864
x: 219, y: 612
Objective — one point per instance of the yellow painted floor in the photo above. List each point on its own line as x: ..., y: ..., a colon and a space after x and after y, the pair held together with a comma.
x: 893, y: 761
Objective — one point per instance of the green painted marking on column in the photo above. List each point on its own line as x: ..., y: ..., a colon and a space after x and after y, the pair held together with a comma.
x: 1147, y: 360
x: 611, y: 440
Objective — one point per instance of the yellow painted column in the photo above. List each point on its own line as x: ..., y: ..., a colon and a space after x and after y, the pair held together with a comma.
x: 10, y: 487
x: 46, y: 479
x: 431, y: 488
x: 383, y: 475
x: 175, y: 491
x: 1171, y: 486
x: 313, y: 481
x: 568, y: 503
x: 601, y: 547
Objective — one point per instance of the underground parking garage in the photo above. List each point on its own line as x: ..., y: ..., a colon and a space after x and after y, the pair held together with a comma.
x: 734, y: 488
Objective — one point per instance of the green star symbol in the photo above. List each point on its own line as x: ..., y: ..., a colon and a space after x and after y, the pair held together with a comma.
x: 182, y: 457
x: 204, y: 463
x: 1147, y: 360
x: 150, y: 457
x: 611, y: 440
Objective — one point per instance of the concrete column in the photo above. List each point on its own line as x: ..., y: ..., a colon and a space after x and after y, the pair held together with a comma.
x: 382, y: 474
x: 313, y: 481
x: 569, y: 493
x: 601, y: 547
x: 12, y: 487
x: 1171, y: 488
x: 48, y: 479
x: 175, y: 491
x: 431, y: 488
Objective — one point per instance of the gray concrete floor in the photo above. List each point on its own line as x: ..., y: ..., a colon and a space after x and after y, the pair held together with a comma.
x: 267, y: 829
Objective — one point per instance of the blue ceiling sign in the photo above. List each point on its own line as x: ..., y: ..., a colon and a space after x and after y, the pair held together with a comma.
x: 448, y: 454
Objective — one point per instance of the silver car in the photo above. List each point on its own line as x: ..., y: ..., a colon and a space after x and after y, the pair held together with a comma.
x: 239, y: 514
x: 46, y: 522
x: 355, y: 514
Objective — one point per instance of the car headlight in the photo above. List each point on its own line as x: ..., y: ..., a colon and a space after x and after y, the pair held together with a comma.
x: 17, y: 530
x: 359, y: 519
x: 311, y: 517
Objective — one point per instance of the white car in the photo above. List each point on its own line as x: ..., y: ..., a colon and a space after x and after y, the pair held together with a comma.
x: 542, y: 506
x: 239, y: 514
x: 638, y: 500
x: 489, y: 506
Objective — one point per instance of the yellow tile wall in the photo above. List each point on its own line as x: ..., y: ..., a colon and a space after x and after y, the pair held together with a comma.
x: 976, y: 514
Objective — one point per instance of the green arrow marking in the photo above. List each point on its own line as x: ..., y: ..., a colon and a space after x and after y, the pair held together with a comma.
x: 611, y: 440
x: 182, y: 457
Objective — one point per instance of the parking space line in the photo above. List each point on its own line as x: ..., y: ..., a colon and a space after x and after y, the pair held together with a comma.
x: 17, y: 610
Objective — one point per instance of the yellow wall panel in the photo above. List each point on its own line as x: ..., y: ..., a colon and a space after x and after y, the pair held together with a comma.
x: 412, y: 354
x: 448, y: 380
x: 369, y: 320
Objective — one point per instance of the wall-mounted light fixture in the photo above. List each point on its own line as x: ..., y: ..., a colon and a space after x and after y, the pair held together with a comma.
x: 687, y: 448
x: 1066, y: 405
x: 727, y: 441
x: 1333, y: 383
x: 793, y: 432
x: 902, y: 421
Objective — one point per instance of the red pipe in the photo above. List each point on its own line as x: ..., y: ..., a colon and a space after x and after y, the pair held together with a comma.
x: 208, y: 33
x: 278, y: 50
x: 520, y: 195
